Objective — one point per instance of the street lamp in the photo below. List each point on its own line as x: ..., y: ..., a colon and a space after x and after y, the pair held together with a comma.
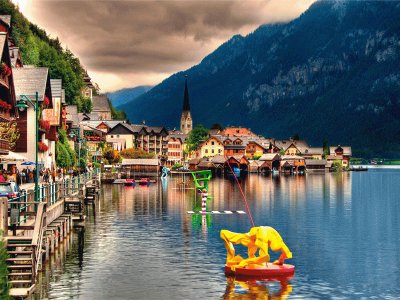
x: 22, y: 105
x: 72, y: 135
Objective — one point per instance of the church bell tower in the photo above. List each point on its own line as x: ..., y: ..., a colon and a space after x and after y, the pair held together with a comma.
x: 186, y: 118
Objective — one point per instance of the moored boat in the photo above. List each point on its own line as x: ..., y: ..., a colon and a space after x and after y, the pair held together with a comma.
x: 119, y: 181
x: 130, y: 182
x: 144, y: 181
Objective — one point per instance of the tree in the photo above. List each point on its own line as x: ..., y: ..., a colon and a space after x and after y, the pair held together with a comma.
x: 111, y: 156
x: 135, y: 153
x: 9, y: 131
x: 217, y: 126
x: 337, y: 165
x: 65, y: 155
x: 282, y: 151
x: 199, y: 133
x: 325, y: 148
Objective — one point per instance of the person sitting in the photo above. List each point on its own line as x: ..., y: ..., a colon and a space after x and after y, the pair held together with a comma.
x: 258, y: 238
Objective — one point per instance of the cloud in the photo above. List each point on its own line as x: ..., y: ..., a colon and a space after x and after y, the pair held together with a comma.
x: 146, y: 39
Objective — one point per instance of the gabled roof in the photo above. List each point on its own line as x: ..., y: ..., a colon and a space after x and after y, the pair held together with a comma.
x: 100, y: 103
x: 315, y: 162
x: 6, y: 19
x: 310, y: 151
x: 28, y: 81
x: 218, y: 159
x: 140, y: 162
x: 292, y: 157
x: 270, y: 156
x: 72, y: 114
x: 56, y: 87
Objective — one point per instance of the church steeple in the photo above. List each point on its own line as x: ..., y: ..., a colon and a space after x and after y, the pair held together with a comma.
x: 186, y: 118
x: 186, y: 105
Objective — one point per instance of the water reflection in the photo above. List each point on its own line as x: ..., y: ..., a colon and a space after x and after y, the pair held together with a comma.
x: 252, y: 289
x: 142, y: 244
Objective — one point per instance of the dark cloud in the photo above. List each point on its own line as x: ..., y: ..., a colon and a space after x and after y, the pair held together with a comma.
x: 157, y: 37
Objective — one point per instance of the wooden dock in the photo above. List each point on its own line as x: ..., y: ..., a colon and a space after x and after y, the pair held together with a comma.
x: 33, y: 230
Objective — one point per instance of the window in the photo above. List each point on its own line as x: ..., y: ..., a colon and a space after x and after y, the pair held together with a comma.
x: 206, y: 151
x: 212, y: 151
x: 219, y: 150
x: 212, y: 143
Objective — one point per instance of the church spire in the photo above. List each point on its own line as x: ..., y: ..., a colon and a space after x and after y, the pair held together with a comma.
x: 186, y: 118
x: 186, y: 105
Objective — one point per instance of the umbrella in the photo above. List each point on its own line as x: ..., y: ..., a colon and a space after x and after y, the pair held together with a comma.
x: 28, y: 163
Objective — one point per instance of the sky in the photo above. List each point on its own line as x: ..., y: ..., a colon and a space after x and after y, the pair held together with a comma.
x: 127, y: 43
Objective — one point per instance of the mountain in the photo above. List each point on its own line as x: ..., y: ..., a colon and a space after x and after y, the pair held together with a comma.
x: 123, y: 96
x: 332, y: 74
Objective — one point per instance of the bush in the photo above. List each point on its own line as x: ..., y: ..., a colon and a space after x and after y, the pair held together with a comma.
x: 177, y: 166
x: 135, y: 153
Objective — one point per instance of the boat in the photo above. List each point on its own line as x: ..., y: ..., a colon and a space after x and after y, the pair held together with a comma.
x: 144, y: 181
x: 119, y: 181
x: 130, y: 182
x: 359, y: 169
x: 270, y: 270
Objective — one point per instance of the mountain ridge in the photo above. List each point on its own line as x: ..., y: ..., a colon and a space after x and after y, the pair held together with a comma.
x: 330, y: 74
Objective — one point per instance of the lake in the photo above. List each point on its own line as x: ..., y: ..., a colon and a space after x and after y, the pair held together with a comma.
x: 140, y: 242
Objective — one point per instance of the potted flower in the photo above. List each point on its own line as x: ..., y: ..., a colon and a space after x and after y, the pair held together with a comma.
x: 42, y: 147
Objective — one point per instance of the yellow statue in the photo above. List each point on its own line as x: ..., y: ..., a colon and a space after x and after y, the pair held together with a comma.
x: 258, y: 238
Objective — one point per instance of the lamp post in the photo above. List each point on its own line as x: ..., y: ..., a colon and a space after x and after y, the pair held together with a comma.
x: 22, y: 105
x: 72, y: 135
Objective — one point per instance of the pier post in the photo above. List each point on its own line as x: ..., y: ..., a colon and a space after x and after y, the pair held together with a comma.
x: 4, y: 215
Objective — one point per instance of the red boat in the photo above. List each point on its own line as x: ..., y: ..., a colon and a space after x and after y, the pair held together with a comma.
x: 144, y: 181
x: 130, y: 182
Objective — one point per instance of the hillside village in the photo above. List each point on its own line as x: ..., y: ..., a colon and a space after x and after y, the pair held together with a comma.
x: 97, y: 132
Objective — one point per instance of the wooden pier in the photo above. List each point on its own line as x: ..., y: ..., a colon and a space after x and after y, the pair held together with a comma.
x: 32, y: 231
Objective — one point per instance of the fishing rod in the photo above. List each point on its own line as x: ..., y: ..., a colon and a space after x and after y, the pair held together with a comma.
x: 241, y: 191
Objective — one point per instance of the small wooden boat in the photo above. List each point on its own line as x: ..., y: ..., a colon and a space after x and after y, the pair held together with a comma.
x: 130, y: 182
x: 119, y: 181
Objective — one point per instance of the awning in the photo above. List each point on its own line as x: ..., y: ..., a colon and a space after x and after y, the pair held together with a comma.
x: 12, y: 156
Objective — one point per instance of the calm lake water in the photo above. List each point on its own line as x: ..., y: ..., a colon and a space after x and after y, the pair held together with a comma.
x: 343, y: 230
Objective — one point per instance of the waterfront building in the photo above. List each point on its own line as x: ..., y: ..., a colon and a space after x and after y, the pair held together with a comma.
x: 150, y: 139
x: 101, y: 108
x: 28, y: 81
x: 342, y: 153
x: 293, y: 163
x: 234, y: 146
x: 270, y: 162
x: 175, y: 148
x: 313, y: 153
x: 7, y: 90
x: 210, y: 147
x: 186, y: 117
x: 255, y: 149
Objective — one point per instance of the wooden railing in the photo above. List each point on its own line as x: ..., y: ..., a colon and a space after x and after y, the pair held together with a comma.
x: 37, y: 239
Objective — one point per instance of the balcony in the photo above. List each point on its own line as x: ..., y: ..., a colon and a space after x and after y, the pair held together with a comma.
x: 4, y: 146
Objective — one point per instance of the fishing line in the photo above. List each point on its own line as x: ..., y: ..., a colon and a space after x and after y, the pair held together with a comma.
x: 241, y: 191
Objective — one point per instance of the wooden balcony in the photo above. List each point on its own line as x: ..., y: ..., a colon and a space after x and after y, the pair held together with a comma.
x: 4, y: 146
